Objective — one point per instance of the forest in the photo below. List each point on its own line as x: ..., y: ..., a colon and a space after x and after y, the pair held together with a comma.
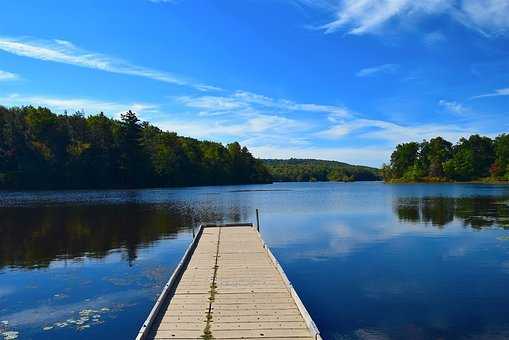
x: 311, y: 170
x: 43, y: 150
x: 476, y: 158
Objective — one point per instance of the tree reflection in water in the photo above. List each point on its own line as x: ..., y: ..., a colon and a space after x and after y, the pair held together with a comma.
x: 475, y: 212
x: 32, y: 237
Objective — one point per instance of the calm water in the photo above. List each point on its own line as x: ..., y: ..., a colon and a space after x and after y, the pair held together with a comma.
x: 370, y: 261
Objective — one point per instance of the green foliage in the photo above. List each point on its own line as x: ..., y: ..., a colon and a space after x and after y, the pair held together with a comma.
x: 43, y: 150
x: 438, y: 160
x: 404, y: 158
x: 432, y: 155
x: 462, y: 165
x: 413, y: 173
x: 501, y: 165
x: 311, y: 170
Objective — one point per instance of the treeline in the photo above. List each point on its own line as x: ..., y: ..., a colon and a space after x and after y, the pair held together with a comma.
x: 42, y: 150
x: 437, y: 160
x: 310, y: 170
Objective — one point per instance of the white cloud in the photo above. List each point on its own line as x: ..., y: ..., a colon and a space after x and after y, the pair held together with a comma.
x: 207, y: 88
x: 453, y: 107
x: 385, y: 68
x: 288, y: 105
x: 368, y: 16
x: 62, y: 51
x: 8, y: 76
x: 490, y: 16
x: 250, y: 117
x: 211, y: 103
x: 77, y: 104
x: 255, y: 127
x: 496, y: 93
x: 394, y: 133
x: 343, y: 128
x: 245, y: 102
x: 357, y: 17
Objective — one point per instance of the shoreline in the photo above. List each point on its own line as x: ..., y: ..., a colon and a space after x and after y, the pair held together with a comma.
x: 477, y: 181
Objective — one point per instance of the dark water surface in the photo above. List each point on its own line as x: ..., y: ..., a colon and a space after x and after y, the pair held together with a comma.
x: 370, y: 261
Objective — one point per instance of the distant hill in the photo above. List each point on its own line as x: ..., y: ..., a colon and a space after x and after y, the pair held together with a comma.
x: 310, y: 170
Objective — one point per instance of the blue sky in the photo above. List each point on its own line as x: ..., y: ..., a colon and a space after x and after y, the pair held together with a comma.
x: 330, y: 79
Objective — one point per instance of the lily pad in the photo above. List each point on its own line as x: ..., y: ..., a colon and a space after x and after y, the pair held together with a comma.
x: 10, y: 335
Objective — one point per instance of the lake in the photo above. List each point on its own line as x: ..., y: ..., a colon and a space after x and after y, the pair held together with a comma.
x: 369, y: 260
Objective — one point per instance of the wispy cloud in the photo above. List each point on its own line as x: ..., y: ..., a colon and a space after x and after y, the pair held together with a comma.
x: 8, y: 76
x: 62, y: 51
x: 357, y: 17
x: 252, y: 118
x: 207, y: 88
x: 393, y: 133
x: 496, y: 93
x: 211, y: 103
x: 453, y: 106
x: 490, y: 17
x: 257, y: 126
x: 249, y: 102
x: 77, y: 104
x: 381, y: 69
x: 368, y: 16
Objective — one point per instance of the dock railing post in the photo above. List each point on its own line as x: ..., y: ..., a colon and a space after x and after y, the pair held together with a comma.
x: 257, y: 221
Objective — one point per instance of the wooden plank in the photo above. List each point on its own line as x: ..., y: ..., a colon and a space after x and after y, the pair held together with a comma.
x: 261, y: 333
x: 232, y: 326
x: 176, y: 334
x: 292, y: 338
x: 257, y: 318
x: 254, y: 312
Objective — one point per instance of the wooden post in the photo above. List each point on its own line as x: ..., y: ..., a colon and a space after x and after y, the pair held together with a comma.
x: 257, y: 221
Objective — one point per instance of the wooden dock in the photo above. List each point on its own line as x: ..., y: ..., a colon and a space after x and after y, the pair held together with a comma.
x: 228, y: 285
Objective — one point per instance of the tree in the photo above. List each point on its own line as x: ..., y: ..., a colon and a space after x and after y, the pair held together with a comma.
x: 403, y: 158
x: 132, y: 162
x: 472, y: 158
x: 501, y: 164
x: 437, y: 151
x: 483, y: 153
x: 104, y: 155
x: 461, y: 166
